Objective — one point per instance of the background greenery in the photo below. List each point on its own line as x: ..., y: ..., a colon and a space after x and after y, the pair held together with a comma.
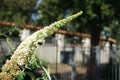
x: 101, y: 17
x: 98, y: 14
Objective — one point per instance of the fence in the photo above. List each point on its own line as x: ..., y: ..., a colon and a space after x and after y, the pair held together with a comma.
x: 68, y: 70
x: 107, y: 72
x: 109, y: 69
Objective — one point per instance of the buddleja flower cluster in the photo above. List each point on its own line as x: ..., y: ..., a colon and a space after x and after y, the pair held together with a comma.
x: 19, y: 59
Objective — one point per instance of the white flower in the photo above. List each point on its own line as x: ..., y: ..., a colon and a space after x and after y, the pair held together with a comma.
x: 27, y: 47
x: 20, y: 61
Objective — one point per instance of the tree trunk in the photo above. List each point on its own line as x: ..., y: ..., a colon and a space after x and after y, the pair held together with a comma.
x: 91, y: 68
x: 95, y: 37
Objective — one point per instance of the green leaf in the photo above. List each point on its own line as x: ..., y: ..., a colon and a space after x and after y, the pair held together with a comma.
x: 21, y: 76
x: 30, y: 75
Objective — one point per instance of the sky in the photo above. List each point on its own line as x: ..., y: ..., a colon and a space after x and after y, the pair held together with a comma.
x: 34, y: 17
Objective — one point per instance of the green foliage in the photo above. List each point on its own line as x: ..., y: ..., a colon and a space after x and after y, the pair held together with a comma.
x: 97, y: 14
x: 21, y: 76
x: 7, y: 32
x: 114, y: 30
x: 26, y: 74
x: 34, y: 62
x: 29, y: 71
x: 10, y: 43
x: 94, y: 12
x: 18, y: 11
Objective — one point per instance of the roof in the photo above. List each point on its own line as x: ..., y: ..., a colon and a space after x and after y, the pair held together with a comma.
x: 83, y: 35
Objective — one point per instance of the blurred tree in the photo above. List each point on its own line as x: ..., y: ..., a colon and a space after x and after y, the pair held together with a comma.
x: 98, y: 15
x: 18, y: 11
x: 113, y: 29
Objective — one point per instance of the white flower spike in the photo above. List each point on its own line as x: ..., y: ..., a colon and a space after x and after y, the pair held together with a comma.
x: 19, y: 59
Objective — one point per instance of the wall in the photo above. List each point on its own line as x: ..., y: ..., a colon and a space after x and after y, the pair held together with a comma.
x: 10, y: 46
x: 51, y: 52
x: 47, y: 53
